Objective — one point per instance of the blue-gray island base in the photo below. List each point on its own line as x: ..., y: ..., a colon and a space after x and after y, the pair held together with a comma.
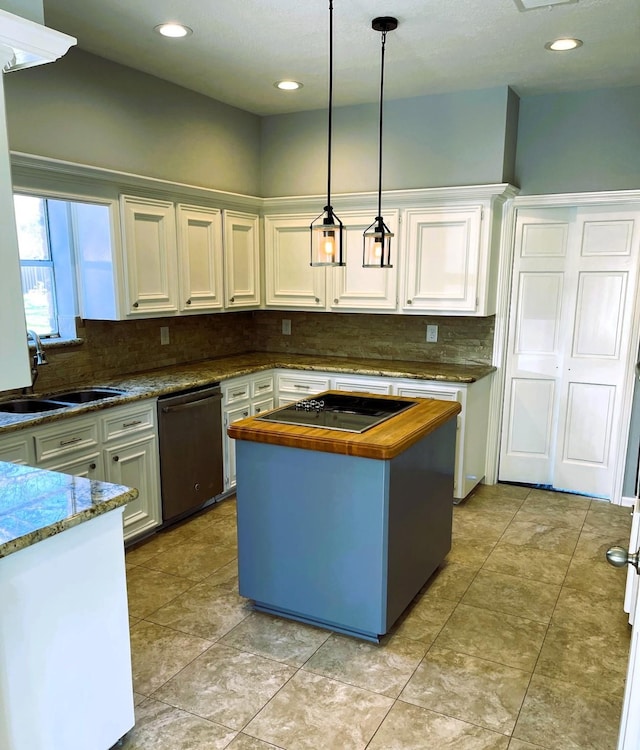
x: 340, y: 541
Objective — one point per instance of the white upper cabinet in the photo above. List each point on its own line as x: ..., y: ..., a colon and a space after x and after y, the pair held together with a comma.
x: 292, y: 283
x: 290, y: 280
x: 150, y: 255
x: 353, y: 287
x: 442, y: 251
x: 200, y: 258
x: 242, y: 260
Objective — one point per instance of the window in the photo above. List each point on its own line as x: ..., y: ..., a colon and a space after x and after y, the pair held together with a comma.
x: 36, y: 264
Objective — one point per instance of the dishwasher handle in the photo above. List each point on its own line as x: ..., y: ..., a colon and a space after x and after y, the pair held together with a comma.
x: 190, y: 404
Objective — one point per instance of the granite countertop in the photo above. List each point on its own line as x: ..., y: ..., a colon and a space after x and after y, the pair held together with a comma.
x: 154, y: 383
x: 36, y: 504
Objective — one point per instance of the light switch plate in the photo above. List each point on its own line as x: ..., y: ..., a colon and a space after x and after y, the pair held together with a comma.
x: 432, y: 334
x: 164, y: 335
x: 286, y: 327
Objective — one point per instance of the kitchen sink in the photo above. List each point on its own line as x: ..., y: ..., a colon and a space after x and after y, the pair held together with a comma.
x: 86, y: 395
x: 30, y: 405
x: 57, y: 401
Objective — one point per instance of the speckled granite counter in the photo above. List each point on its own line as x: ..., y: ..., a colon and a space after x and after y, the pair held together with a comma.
x: 37, y: 504
x: 167, y: 380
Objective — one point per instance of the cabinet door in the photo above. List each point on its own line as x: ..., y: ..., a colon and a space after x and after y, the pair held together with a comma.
x: 149, y: 238
x: 135, y: 464
x: 353, y: 287
x: 231, y: 415
x: 200, y: 257
x: 17, y: 449
x: 441, y: 248
x: 241, y: 260
x: 262, y: 405
x: 290, y: 280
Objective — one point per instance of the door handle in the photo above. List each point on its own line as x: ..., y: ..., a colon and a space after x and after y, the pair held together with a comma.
x: 619, y: 557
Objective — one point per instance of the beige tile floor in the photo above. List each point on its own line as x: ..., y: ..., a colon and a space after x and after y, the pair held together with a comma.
x: 518, y: 641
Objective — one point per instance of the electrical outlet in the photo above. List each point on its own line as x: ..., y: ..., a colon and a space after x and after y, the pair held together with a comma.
x: 432, y: 334
x: 164, y: 335
x: 286, y: 327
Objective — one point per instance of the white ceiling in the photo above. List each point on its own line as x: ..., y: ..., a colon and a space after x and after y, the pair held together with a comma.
x: 239, y: 48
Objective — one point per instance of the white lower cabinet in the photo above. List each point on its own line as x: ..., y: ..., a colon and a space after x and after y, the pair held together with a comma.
x: 118, y: 445
x: 473, y: 422
x: 242, y: 397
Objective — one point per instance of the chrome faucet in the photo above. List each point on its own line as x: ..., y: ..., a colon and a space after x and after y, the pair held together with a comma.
x: 39, y: 357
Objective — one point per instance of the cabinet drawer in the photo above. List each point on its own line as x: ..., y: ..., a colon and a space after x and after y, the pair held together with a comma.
x: 62, y: 440
x: 261, y: 386
x: 128, y: 422
x: 263, y: 405
x: 362, y: 385
x: 235, y: 391
x: 425, y: 392
x: 303, y: 385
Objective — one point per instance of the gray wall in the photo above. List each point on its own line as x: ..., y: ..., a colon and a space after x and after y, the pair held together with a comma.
x: 86, y: 109
x: 31, y: 9
x: 431, y: 141
x: 579, y: 141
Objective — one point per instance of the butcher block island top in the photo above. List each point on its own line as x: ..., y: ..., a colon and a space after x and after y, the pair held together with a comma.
x: 383, y: 442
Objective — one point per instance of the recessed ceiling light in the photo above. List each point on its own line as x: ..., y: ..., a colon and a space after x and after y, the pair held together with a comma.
x: 288, y: 85
x: 563, y: 45
x: 173, y: 30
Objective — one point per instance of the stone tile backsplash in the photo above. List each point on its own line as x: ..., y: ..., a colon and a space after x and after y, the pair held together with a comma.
x: 110, y: 349
x: 461, y: 340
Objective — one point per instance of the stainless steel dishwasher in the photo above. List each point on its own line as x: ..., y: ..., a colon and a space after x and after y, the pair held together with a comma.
x: 190, y: 436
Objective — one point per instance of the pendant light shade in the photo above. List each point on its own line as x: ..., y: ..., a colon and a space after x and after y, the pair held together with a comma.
x: 377, y: 237
x: 327, y: 232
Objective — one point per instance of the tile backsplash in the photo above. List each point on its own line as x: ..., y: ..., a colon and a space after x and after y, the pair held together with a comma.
x: 461, y: 340
x: 109, y: 349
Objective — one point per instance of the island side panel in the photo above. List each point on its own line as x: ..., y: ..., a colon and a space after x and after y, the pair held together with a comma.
x: 420, y: 515
x: 312, y: 531
x: 65, y: 660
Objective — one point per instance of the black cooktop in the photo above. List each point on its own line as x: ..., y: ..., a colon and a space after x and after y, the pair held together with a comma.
x: 338, y: 411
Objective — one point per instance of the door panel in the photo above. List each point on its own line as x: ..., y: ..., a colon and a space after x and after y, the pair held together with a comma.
x: 571, y: 326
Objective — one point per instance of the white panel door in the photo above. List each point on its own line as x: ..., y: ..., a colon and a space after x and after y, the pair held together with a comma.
x: 535, y: 345
x: 353, y: 287
x: 241, y: 260
x: 571, y: 320
x: 200, y: 253
x: 599, y: 323
x: 290, y: 280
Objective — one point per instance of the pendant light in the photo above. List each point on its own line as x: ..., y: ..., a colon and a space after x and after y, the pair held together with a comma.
x: 377, y: 237
x: 327, y: 230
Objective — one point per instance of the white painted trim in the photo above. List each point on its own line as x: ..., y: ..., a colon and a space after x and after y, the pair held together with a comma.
x: 577, y: 199
x: 627, y: 502
x: 32, y: 43
x: 501, y: 329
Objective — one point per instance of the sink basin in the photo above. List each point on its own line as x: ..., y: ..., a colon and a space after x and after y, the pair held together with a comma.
x: 29, y: 405
x: 86, y: 395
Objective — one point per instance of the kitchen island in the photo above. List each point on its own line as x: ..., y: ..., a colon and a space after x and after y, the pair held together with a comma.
x: 340, y: 529
x: 65, y: 664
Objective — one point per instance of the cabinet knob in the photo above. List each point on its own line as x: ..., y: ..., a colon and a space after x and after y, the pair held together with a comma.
x: 233, y: 299
x: 135, y: 304
x: 409, y: 302
x: 245, y: 413
x: 92, y: 467
x: 335, y: 301
x: 116, y: 458
x: 317, y: 299
x: 188, y: 302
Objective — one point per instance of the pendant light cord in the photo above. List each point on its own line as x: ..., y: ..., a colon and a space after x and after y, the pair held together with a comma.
x: 384, y: 39
x: 330, y: 103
